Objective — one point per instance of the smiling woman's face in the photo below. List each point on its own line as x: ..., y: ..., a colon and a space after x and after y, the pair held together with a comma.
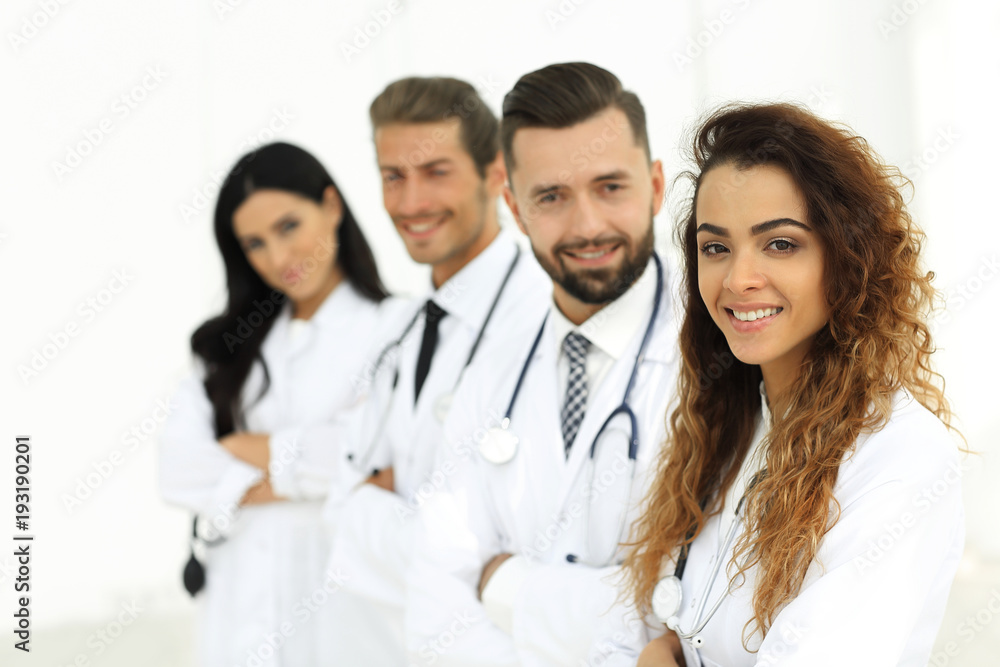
x: 760, y: 268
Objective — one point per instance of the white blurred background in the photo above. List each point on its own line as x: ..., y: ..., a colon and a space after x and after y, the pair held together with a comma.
x: 157, y: 100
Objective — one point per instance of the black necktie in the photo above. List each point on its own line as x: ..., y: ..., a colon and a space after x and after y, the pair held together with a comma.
x: 433, y: 315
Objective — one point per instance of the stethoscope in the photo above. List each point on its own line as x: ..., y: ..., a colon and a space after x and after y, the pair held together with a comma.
x: 501, y: 444
x: 443, y: 402
x: 668, y: 595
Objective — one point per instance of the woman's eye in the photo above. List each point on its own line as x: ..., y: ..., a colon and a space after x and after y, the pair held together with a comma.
x: 252, y: 244
x: 289, y: 225
x: 782, y: 245
x: 711, y: 249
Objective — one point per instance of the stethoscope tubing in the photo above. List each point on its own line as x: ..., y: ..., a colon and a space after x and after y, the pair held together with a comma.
x: 639, y: 358
x: 387, y: 350
x: 622, y: 408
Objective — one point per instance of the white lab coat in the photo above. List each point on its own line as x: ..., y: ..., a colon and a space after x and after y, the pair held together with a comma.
x: 532, y: 507
x: 876, y: 592
x: 373, y: 538
x: 266, y: 593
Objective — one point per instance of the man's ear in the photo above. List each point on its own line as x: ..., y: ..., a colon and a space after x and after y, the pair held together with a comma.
x: 659, y: 185
x: 508, y: 196
x: 496, y: 175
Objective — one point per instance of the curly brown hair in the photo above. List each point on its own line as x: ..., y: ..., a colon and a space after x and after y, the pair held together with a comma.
x: 876, y: 342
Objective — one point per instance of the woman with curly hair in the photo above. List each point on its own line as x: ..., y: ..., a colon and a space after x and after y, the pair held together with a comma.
x: 807, y: 507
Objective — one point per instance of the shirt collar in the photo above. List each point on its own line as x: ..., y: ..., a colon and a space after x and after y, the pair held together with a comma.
x: 469, y: 294
x: 613, y: 327
x: 765, y: 410
x: 332, y: 310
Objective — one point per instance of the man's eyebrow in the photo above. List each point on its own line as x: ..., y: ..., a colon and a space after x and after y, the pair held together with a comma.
x: 617, y: 175
x: 425, y: 165
x: 544, y: 189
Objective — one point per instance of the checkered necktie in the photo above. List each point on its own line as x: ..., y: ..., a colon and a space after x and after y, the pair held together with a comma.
x: 575, y: 348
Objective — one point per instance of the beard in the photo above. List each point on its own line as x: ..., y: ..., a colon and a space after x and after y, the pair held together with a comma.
x: 604, y: 285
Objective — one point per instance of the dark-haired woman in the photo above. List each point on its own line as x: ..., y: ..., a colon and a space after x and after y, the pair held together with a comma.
x: 285, y: 356
x: 807, y: 509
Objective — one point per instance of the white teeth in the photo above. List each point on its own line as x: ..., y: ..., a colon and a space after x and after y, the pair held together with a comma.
x: 591, y: 255
x: 754, y: 315
x: 422, y: 227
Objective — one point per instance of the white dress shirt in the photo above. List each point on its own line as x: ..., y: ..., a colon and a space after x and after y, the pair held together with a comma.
x: 609, y: 331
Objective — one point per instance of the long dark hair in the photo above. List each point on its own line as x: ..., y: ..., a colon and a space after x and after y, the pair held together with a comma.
x: 229, y: 343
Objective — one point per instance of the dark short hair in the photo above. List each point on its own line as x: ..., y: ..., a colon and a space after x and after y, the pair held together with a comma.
x: 563, y: 95
x: 437, y: 99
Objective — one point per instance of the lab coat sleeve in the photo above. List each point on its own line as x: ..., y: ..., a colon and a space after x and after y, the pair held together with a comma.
x: 454, y: 537
x: 584, y: 605
x: 195, y: 471
x: 309, y: 462
x: 883, y: 571
x: 374, y: 541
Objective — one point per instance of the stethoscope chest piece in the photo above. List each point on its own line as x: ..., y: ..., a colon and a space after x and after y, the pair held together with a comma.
x: 500, y: 445
x: 442, y: 406
x: 667, y: 600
